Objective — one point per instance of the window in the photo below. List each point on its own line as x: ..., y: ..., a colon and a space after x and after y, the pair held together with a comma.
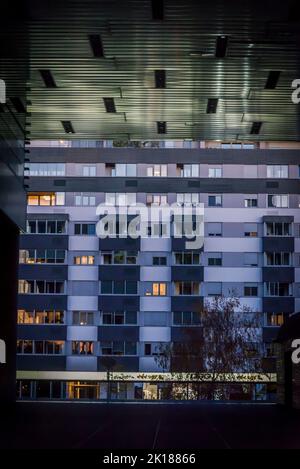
x: 84, y: 260
x: 89, y: 171
x: 118, y: 287
x: 278, y: 289
x: 40, y: 317
x: 278, y: 229
x: 250, y: 230
x: 278, y: 201
x: 214, y: 259
x: 156, y: 199
x: 251, y: 259
x: 188, y: 170
x: 46, y: 198
x: 82, y: 347
x: 250, y: 290
x: 214, y: 229
x: 85, y: 200
x: 159, y: 260
x: 186, y: 288
x: 157, y: 289
x: 152, y: 349
x: 186, y: 318
x: 157, y: 170
x: 46, y: 226
x: 119, y: 317
x: 83, y: 318
x: 278, y: 258
x: 119, y: 257
x: 157, y: 230
x: 41, y: 256
x: 277, y: 171
x: 40, y: 347
x: 215, y: 201
x: 41, y: 287
x: 117, y: 348
x: 250, y: 202
x: 275, y: 319
x: 186, y: 199
x: 187, y: 258
x: 120, y: 199
x: 86, y: 229
x: 120, y: 169
x: 47, y: 169
x: 214, y: 172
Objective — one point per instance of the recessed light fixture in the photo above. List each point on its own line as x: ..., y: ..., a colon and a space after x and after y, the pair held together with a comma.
x: 200, y: 53
x: 96, y: 45
x: 255, y: 129
x: 18, y: 105
x: 221, y: 46
x: 47, y: 78
x: 68, y: 127
x: 272, y: 80
x: 158, y: 10
x: 160, y: 78
x: 109, y: 104
x: 161, y: 127
x: 212, y: 105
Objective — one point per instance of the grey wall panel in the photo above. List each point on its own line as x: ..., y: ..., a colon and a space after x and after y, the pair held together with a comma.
x: 115, y: 244
x: 119, y: 272
x: 129, y: 333
x: 41, y: 302
x: 186, y: 303
x: 278, y: 274
x: 278, y: 244
x: 148, y: 155
x: 45, y: 272
x: 43, y: 332
x: 39, y: 241
x: 167, y: 185
x: 186, y: 273
x: 119, y: 303
x: 278, y: 305
x: 121, y: 364
x: 41, y: 363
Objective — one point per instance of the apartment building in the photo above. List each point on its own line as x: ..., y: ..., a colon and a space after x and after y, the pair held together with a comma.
x: 88, y: 304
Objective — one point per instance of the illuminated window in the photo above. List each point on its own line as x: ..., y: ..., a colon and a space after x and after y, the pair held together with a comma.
x: 157, y: 170
x: 84, y: 260
x: 82, y: 347
x: 46, y: 199
x: 159, y: 289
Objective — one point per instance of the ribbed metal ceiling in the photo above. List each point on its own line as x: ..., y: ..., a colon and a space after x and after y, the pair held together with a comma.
x: 261, y: 37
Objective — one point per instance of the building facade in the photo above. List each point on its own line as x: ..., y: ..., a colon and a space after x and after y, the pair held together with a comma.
x: 84, y: 301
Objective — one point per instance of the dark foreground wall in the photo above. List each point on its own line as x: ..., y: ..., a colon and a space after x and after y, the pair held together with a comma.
x: 8, y: 306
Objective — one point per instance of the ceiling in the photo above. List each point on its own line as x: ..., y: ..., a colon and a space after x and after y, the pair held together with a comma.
x: 95, y: 49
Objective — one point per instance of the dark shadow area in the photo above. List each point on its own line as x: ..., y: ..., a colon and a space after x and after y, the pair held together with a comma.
x: 150, y: 426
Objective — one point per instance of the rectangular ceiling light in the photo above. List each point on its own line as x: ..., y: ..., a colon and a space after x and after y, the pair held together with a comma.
x: 255, y: 129
x: 160, y: 78
x: 272, y: 80
x: 161, y: 127
x: 96, y: 45
x: 221, y: 46
x: 109, y: 104
x: 212, y: 105
x: 47, y: 78
x: 158, y: 10
x: 18, y: 105
x: 68, y: 127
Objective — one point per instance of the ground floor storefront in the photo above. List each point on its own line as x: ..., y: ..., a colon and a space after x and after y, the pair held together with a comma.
x: 143, y: 391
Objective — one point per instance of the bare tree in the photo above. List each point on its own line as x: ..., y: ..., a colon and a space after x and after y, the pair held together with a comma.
x: 226, y: 342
